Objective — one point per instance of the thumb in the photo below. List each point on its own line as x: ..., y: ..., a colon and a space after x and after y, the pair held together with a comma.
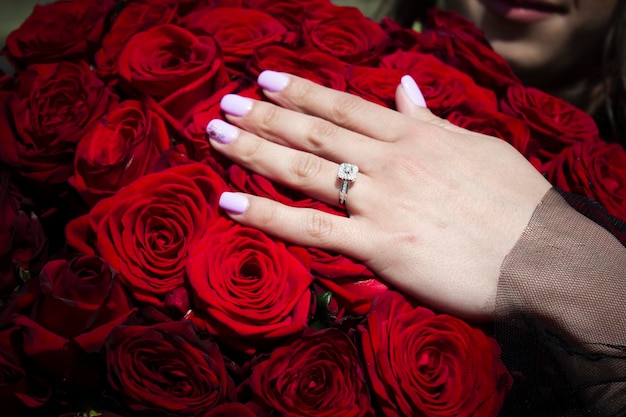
x: 409, y: 98
x: 411, y: 102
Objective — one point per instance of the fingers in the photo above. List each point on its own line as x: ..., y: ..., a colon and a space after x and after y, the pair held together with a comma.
x: 304, y: 171
x: 411, y: 102
x: 304, y: 227
x: 298, y: 130
x: 313, y: 147
x: 343, y: 109
x: 412, y: 92
x: 409, y: 98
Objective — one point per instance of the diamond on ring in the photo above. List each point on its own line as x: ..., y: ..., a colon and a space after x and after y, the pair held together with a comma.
x: 347, y: 174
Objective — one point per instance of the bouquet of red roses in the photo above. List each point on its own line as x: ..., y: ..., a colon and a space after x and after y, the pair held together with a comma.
x: 124, y: 289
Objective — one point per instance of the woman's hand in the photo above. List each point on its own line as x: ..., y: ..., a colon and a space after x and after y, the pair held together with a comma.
x: 434, y: 210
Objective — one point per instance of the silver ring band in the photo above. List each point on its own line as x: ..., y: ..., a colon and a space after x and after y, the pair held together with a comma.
x: 346, y: 174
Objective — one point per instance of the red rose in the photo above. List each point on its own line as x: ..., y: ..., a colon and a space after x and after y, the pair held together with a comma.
x: 186, y: 7
x: 377, y: 85
x: 230, y: 410
x: 352, y: 283
x: 238, y: 32
x: 249, y: 289
x: 53, y: 106
x: 99, y: 413
x: 596, y: 170
x: 121, y: 147
x: 173, y: 66
x: 459, y: 43
x: 305, y: 62
x: 346, y: 34
x: 421, y: 363
x: 199, y: 117
x: 7, y: 82
x: 554, y: 123
x: 19, y: 391
x: 319, y: 374
x: 173, y: 156
x: 135, y: 17
x: 250, y: 182
x: 23, y: 244
x: 145, y: 230
x: 8, y: 214
x: 77, y: 301
x: 167, y: 367
x: 444, y: 87
x: 354, y: 296
x: 290, y: 13
x: 402, y: 38
x: 64, y: 30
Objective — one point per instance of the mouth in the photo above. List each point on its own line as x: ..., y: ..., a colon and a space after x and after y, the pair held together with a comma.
x: 524, y: 11
x: 540, y: 6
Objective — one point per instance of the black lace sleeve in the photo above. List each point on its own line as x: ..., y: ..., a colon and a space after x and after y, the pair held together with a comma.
x: 561, y: 312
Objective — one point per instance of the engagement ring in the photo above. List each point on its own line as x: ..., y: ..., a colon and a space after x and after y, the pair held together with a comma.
x: 347, y: 174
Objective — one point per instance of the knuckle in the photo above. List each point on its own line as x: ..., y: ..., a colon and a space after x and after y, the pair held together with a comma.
x: 250, y: 152
x: 345, y: 108
x: 269, y: 118
x: 267, y: 217
x: 306, y: 167
x: 318, y: 226
x: 320, y: 134
x: 301, y: 91
x: 430, y: 119
x: 402, y: 165
x: 446, y: 124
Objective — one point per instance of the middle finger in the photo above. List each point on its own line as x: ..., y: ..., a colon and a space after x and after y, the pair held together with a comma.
x: 300, y: 131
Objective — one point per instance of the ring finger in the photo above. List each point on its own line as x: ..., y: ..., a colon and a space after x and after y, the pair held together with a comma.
x: 309, y: 173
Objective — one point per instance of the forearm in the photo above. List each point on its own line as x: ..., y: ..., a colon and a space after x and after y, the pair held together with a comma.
x: 567, y: 275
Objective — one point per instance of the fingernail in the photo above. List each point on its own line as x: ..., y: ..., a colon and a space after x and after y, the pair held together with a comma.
x: 273, y: 81
x: 234, y: 202
x: 412, y: 91
x: 236, y: 105
x: 221, y: 131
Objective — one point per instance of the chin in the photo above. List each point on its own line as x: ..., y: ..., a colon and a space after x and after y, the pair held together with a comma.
x: 521, y: 55
x: 528, y: 61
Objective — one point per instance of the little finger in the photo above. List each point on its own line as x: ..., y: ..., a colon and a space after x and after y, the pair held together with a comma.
x: 301, y: 226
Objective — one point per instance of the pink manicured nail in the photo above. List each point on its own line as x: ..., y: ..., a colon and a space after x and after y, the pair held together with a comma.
x: 221, y: 131
x: 412, y: 91
x: 273, y: 81
x: 234, y: 202
x: 236, y: 105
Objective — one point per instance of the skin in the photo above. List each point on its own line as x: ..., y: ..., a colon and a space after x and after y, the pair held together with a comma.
x: 429, y: 212
x: 559, y: 54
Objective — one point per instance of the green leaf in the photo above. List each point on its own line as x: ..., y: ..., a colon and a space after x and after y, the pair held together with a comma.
x: 323, y: 318
x: 24, y: 274
x: 323, y: 300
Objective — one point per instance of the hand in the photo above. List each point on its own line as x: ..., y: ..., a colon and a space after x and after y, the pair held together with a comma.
x: 435, y: 208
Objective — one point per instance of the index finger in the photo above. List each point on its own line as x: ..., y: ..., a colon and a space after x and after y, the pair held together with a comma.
x: 343, y: 109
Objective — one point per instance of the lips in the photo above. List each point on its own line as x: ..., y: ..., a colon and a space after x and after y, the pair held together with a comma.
x: 524, y: 11
x: 542, y: 6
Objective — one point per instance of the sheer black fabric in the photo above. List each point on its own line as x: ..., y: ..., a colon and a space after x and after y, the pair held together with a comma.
x: 561, y: 312
x: 594, y: 211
